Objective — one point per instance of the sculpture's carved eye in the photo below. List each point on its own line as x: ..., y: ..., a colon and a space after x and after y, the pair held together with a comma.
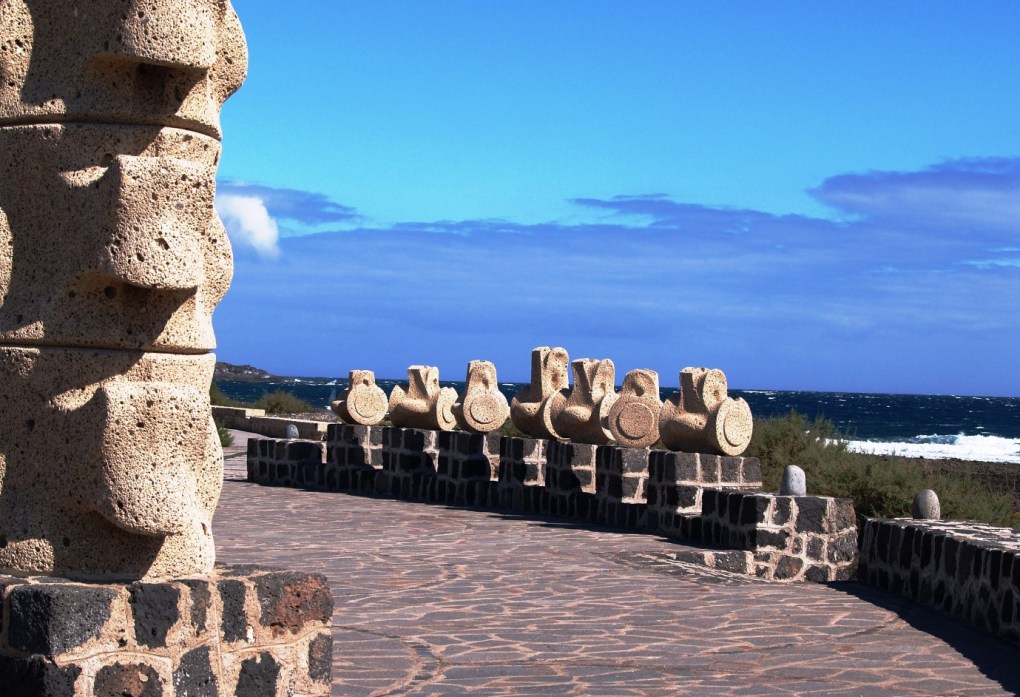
x: 82, y: 178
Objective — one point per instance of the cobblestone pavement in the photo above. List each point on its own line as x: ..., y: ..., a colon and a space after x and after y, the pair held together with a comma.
x: 440, y: 601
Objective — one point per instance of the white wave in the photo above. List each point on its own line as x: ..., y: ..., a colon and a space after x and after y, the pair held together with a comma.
x: 938, y: 447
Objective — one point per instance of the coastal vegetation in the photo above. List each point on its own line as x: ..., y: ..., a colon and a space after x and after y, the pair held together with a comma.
x: 278, y: 402
x: 882, y: 485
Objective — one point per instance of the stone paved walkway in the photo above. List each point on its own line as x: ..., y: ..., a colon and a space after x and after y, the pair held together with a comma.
x: 440, y: 601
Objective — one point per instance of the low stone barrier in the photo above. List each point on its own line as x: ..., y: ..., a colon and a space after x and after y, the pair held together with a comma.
x: 256, y: 421
x: 243, y: 631
x: 695, y: 497
x: 790, y: 538
x: 970, y: 570
x: 286, y: 462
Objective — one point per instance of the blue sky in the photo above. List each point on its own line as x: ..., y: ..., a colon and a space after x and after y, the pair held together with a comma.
x: 806, y: 195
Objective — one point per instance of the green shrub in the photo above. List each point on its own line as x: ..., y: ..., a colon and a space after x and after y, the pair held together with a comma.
x: 226, y: 437
x: 218, y: 399
x: 880, y: 486
x: 281, y: 402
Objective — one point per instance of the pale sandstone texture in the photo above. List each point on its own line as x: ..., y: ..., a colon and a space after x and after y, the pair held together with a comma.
x: 585, y: 415
x: 481, y: 408
x: 424, y: 404
x: 363, y: 402
x: 535, y: 408
x: 112, y: 259
x: 703, y: 418
x: 634, y: 417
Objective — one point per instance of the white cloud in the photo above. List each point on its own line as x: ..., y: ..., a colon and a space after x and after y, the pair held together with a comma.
x: 249, y: 223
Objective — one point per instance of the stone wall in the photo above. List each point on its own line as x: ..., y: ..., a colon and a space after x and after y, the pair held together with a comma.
x: 970, y: 570
x: 692, y: 497
x: 792, y: 538
x: 244, y: 632
x: 286, y: 462
x: 256, y: 421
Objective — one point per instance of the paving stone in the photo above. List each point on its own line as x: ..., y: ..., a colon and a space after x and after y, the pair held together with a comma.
x: 443, y: 601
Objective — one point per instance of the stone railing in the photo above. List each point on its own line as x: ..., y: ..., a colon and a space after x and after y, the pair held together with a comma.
x: 970, y: 570
x: 256, y: 421
x: 705, y: 499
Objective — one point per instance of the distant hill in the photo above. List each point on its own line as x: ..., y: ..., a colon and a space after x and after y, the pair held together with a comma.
x: 242, y: 373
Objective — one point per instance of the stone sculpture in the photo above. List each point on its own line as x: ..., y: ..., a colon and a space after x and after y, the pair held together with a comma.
x: 926, y: 506
x: 423, y: 404
x: 703, y: 418
x: 363, y: 402
x: 585, y: 415
x: 634, y: 417
x: 535, y: 408
x: 481, y: 408
x: 111, y: 261
x: 794, y: 482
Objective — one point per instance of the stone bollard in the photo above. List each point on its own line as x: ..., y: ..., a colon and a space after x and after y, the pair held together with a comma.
x: 424, y: 404
x: 535, y: 409
x: 585, y: 415
x: 794, y: 482
x: 482, y: 407
x: 926, y: 506
x: 634, y: 418
x: 702, y: 418
x: 291, y: 432
x: 363, y: 402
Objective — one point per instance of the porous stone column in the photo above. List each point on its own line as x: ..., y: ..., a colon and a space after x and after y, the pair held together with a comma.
x: 363, y: 402
x: 481, y: 408
x: 112, y: 260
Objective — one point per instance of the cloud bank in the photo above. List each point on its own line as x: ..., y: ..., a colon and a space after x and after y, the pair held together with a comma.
x: 911, y: 286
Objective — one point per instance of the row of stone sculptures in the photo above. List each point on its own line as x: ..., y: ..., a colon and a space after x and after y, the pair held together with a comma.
x: 701, y: 417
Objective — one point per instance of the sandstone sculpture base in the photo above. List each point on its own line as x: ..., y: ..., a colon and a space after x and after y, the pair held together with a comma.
x: 244, y: 632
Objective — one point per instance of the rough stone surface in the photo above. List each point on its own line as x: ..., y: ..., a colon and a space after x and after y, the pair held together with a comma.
x: 536, y: 408
x: 438, y: 600
x: 585, y: 414
x: 481, y: 408
x: 112, y: 259
x: 970, y: 570
x: 423, y: 404
x: 794, y: 482
x: 363, y: 402
x: 926, y: 506
x: 634, y: 417
x: 172, y: 638
x: 703, y: 418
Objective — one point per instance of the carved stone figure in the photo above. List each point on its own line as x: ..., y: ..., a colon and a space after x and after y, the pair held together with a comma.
x: 423, y: 404
x: 112, y: 259
x: 363, y: 402
x: 535, y: 408
x: 634, y: 417
x: 585, y: 415
x: 481, y: 408
x: 703, y: 418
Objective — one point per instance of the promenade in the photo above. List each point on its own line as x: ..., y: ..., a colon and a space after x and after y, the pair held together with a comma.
x: 441, y: 601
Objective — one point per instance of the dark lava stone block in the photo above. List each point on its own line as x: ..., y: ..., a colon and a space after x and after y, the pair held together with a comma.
x: 154, y: 606
x: 36, y: 677
x: 55, y: 618
x: 289, y: 600
x: 258, y: 677
x: 194, y: 675
x: 128, y: 680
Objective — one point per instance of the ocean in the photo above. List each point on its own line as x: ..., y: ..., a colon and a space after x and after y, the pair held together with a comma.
x: 985, y: 429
